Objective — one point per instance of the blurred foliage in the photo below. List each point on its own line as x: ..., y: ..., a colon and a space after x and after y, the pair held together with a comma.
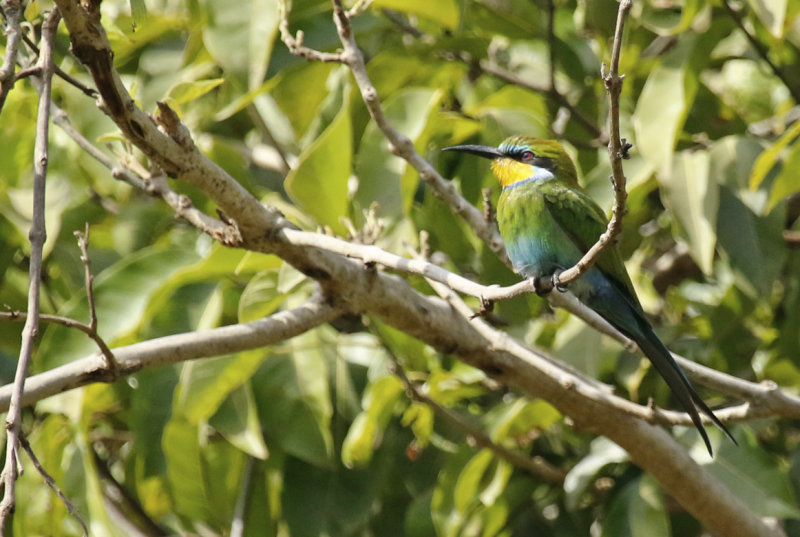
x: 316, y: 436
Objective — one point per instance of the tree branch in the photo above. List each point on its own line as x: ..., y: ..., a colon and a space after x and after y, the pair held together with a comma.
x: 37, y: 236
x: 178, y: 348
x: 12, y: 12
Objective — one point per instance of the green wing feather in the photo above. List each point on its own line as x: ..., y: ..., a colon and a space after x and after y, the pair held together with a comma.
x: 584, y: 221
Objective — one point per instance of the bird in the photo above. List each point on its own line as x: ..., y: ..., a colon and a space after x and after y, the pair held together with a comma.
x: 548, y: 222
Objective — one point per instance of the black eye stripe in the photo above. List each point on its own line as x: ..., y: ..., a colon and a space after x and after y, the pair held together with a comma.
x: 529, y: 157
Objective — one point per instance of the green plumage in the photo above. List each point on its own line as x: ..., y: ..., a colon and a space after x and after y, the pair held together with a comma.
x: 548, y: 222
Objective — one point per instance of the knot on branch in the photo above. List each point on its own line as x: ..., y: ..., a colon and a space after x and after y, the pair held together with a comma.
x: 170, y: 124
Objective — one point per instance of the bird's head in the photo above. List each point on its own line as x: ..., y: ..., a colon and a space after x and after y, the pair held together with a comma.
x: 520, y: 158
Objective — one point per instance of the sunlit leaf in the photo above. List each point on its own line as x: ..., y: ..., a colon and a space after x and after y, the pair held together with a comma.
x: 185, y: 92
x: 603, y: 452
x: 637, y: 510
x: 204, y: 384
x: 693, y: 197
x: 444, y: 12
x: 181, y: 445
x: 237, y: 420
x: 381, y: 173
x: 772, y: 14
x: 319, y: 182
x: 660, y: 112
x: 768, y: 158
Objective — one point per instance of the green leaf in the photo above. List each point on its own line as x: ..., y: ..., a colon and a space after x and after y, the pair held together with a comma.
x: 512, y: 110
x: 382, y: 175
x: 260, y: 297
x: 753, y: 244
x: 665, y: 21
x: 300, y: 91
x: 237, y: 420
x: 660, y: 113
x: 755, y: 476
x: 519, y: 418
x: 294, y: 402
x: 121, y: 294
x: 469, y: 481
x: 693, y: 197
x: 138, y: 11
x: 184, y: 92
x: 263, y: 30
x: 602, y: 453
x: 204, y: 384
x: 788, y: 180
x: 365, y: 434
x: 769, y: 158
x: 319, y: 182
x: 59, y: 197
x: 181, y: 445
x: 226, y: 33
x: 638, y: 509
x: 443, y: 12
x: 772, y: 14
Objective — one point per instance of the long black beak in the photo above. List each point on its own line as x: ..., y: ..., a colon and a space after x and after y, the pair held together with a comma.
x: 484, y: 151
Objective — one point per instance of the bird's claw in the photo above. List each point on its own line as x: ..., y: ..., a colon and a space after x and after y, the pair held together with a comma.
x: 557, y: 285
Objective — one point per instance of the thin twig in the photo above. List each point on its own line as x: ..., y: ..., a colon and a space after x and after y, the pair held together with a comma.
x: 490, y: 68
x: 86, y: 90
x: 295, y: 42
x: 124, y: 500
x: 53, y: 485
x: 12, y: 12
x: 83, y: 244
x: 21, y: 316
x: 403, y: 147
x: 617, y: 150
x: 37, y: 236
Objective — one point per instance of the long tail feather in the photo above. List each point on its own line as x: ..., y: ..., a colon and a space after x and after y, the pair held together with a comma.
x: 661, y: 358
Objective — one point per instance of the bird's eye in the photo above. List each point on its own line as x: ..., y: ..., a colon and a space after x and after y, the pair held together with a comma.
x: 527, y: 156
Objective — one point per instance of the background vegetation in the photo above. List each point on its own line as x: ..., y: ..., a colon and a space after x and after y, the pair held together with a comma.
x: 355, y: 427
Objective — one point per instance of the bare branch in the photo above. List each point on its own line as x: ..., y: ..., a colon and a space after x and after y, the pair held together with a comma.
x: 402, y: 146
x: 12, y: 12
x: 66, y: 321
x: 295, y: 42
x: 617, y: 150
x: 83, y: 244
x: 178, y: 348
x: 37, y: 236
x: 53, y: 485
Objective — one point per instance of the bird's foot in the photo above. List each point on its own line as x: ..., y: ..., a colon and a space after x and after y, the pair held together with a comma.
x: 542, y: 288
x: 556, y: 282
